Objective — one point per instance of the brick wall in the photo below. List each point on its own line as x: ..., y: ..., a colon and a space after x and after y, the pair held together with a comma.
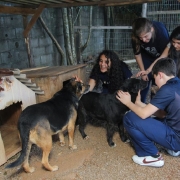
x: 13, y: 50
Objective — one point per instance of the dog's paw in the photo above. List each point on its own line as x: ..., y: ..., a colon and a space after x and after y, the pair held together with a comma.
x: 62, y: 143
x: 73, y: 147
x: 127, y: 141
x: 86, y: 137
x: 123, y: 138
x: 30, y: 170
x: 55, y: 168
x: 112, y: 144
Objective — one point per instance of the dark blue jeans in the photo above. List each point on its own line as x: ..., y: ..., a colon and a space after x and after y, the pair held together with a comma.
x: 144, y: 132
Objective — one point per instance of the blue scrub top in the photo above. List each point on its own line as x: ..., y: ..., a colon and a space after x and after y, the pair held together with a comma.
x: 168, y: 98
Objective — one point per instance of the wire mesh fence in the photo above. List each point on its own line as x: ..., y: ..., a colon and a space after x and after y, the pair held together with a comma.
x: 167, y: 12
x: 164, y: 5
x: 119, y: 40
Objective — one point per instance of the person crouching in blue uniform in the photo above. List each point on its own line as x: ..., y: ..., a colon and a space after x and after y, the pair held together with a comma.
x: 144, y: 130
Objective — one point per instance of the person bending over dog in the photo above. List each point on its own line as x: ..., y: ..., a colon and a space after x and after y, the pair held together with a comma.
x: 173, y: 52
x: 144, y: 130
x: 149, y: 42
x: 110, y: 71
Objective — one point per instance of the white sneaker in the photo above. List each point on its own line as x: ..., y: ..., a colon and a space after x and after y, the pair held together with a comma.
x: 149, y: 161
x: 173, y: 153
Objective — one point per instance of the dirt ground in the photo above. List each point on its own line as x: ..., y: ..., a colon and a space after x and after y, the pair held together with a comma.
x: 93, y: 160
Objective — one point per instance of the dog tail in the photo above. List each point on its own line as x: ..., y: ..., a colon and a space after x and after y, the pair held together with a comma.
x: 24, y: 131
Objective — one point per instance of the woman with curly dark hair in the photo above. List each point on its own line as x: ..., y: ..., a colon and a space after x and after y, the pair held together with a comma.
x: 110, y: 70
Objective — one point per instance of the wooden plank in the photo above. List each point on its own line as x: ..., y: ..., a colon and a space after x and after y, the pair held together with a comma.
x: 30, y: 84
x: 101, y: 3
x: 11, y: 141
x: 16, y: 71
x: 16, y: 10
x: 71, y: 3
x: 3, y: 158
x: 50, y: 71
x: 127, y: 3
x: 8, y: 129
x: 25, y: 80
x: 33, y: 19
x: 20, y: 76
x: 23, y: 2
x: 38, y: 92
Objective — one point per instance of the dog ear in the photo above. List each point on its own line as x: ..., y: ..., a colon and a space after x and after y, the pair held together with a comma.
x: 131, y: 85
x: 139, y: 84
x: 68, y: 81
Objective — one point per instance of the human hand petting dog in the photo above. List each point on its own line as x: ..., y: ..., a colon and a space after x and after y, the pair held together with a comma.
x: 124, y: 97
x: 78, y: 79
x: 143, y: 75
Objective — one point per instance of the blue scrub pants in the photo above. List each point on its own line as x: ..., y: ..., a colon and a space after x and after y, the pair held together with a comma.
x: 144, y: 132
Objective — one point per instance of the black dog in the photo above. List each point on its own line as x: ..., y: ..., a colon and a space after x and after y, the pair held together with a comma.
x: 106, y: 111
x: 37, y: 124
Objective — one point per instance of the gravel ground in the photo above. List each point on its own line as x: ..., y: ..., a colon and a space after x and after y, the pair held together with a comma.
x: 93, y: 160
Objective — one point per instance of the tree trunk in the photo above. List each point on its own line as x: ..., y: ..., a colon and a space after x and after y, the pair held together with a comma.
x: 79, y: 38
x: 89, y: 34
x: 71, y: 33
x: 67, y: 37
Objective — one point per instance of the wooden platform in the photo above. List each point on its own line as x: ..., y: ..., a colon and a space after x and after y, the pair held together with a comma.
x: 51, y: 71
x: 11, y: 140
x: 50, y: 79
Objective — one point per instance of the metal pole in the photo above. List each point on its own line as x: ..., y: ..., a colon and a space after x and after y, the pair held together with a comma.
x: 144, y: 10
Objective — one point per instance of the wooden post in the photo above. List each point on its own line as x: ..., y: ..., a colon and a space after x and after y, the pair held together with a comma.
x: 33, y: 19
x: 2, y: 151
x: 30, y: 60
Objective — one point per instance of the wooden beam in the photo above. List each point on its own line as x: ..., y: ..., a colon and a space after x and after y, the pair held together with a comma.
x: 33, y: 19
x: 30, y: 60
x: 101, y: 3
x: 23, y: 3
x: 16, y: 10
x: 128, y: 2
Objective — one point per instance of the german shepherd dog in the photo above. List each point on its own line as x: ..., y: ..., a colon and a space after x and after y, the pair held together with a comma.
x: 37, y: 124
x: 106, y: 111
